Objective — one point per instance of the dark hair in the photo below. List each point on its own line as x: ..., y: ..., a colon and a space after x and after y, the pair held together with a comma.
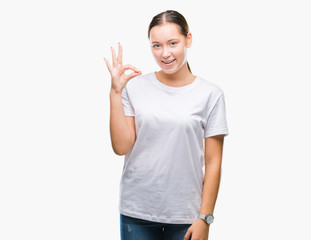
x: 173, y: 17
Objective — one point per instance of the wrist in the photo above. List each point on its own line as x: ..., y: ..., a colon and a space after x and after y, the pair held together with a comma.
x: 208, y: 218
x: 201, y: 220
x: 115, y: 92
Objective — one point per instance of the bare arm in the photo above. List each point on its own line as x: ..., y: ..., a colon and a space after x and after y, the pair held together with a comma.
x: 122, y: 128
x: 213, y: 159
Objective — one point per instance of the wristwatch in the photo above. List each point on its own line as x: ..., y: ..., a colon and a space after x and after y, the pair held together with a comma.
x: 207, y: 218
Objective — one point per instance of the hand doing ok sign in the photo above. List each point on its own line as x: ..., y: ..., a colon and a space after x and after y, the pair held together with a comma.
x: 118, y: 77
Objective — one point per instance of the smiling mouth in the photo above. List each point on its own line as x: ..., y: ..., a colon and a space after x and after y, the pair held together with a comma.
x: 169, y: 62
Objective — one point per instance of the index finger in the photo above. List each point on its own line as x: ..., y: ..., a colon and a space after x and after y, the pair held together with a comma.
x: 131, y: 67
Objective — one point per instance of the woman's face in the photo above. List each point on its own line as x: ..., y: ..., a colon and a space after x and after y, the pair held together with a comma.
x: 169, y: 46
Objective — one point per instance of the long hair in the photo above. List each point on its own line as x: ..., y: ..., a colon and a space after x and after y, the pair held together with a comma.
x: 173, y: 17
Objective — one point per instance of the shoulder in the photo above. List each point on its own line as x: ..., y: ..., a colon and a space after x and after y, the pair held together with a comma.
x: 210, y: 87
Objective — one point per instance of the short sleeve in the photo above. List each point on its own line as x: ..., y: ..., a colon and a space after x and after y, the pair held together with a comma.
x: 127, y: 106
x: 216, y: 123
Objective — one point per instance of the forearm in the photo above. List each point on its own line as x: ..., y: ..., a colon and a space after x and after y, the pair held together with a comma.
x: 121, y: 138
x: 210, y: 187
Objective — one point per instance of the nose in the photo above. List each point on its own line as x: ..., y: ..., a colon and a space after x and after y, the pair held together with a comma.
x: 166, y: 53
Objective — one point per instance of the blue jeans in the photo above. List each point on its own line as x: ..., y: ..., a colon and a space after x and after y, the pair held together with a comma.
x: 139, y: 229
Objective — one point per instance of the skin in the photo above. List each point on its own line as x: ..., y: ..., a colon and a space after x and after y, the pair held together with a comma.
x: 167, y: 43
x: 117, y: 71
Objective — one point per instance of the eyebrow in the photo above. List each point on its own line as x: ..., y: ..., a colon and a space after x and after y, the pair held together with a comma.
x: 168, y: 40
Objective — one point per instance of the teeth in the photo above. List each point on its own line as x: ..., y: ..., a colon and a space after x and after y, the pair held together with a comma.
x: 169, y: 62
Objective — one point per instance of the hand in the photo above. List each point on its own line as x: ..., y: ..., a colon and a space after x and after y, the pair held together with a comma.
x: 118, y: 76
x: 198, y: 230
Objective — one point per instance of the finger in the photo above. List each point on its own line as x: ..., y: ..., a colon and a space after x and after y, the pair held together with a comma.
x: 120, y: 54
x: 114, y: 58
x: 187, y: 235
x: 133, y: 74
x: 108, y: 65
x: 129, y: 66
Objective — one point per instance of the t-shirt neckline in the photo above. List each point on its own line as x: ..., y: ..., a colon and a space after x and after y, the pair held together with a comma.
x: 174, y: 89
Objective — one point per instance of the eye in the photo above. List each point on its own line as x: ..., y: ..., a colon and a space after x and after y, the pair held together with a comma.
x: 155, y: 45
x: 174, y: 42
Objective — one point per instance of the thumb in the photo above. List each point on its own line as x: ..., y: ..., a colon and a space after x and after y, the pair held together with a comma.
x: 188, y: 233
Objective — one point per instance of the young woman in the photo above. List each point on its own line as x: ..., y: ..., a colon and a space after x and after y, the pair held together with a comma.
x: 169, y: 125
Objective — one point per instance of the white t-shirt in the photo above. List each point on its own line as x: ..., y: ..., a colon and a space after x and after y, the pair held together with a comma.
x: 162, y: 178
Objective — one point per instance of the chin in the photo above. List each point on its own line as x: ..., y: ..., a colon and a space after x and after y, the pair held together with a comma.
x: 168, y: 71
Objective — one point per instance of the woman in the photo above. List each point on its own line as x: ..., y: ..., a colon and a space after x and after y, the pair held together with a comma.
x: 168, y: 124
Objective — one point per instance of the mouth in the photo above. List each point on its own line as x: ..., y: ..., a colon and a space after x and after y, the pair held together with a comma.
x: 169, y: 63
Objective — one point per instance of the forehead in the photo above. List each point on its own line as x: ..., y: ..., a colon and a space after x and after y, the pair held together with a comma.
x: 164, y: 32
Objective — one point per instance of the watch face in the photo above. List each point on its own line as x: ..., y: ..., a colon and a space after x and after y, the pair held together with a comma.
x: 209, y: 218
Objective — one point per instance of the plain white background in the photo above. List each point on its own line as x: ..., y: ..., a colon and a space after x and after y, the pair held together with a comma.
x: 59, y: 177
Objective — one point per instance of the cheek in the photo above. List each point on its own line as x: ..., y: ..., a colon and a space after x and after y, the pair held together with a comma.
x: 156, y: 54
x: 179, y: 53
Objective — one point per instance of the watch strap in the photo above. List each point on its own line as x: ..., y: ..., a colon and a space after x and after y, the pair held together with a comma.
x: 209, y: 218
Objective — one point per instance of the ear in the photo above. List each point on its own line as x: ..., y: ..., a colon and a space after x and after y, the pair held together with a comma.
x: 189, y: 40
